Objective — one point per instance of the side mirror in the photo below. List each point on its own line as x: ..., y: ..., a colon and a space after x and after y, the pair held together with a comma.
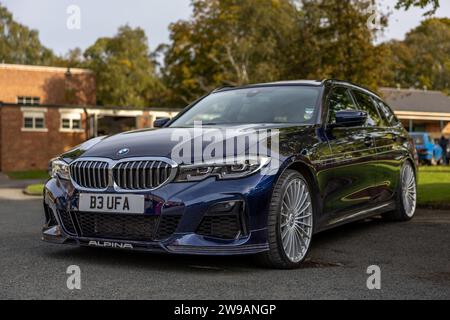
x: 351, y: 118
x: 159, y: 123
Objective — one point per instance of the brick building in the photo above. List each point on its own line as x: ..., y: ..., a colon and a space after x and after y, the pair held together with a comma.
x: 45, y: 111
x: 35, y: 121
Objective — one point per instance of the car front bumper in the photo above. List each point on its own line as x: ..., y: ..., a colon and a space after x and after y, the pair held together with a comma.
x: 191, y: 205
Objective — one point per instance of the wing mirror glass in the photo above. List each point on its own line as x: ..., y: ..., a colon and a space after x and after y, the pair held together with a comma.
x: 159, y: 123
x: 351, y: 118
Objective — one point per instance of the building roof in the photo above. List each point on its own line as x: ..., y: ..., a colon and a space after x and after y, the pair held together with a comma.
x: 5, y: 66
x: 413, y: 100
x: 87, y: 108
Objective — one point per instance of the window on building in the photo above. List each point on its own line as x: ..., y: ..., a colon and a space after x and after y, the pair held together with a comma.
x: 70, y: 121
x: 29, y: 101
x: 76, y: 124
x: 66, y: 124
x: 34, y: 120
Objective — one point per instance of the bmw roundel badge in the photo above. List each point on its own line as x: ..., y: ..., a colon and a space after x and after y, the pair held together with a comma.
x: 123, y: 151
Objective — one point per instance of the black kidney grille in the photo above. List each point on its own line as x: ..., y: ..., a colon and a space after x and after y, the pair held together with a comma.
x: 141, y: 175
x: 130, y: 175
x: 90, y: 174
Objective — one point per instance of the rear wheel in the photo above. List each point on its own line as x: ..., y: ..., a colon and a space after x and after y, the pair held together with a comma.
x: 290, y: 222
x: 406, y: 199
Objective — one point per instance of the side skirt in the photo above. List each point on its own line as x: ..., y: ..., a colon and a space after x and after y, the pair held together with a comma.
x: 359, y: 215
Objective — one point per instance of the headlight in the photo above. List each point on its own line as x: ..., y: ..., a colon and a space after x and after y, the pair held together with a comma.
x: 59, y: 169
x: 238, y: 168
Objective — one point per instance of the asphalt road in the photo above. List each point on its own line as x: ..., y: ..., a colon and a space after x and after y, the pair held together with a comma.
x: 414, y: 259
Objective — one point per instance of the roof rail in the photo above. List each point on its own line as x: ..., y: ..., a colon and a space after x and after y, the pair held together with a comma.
x: 351, y: 83
x: 223, y: 87
x: 334, y: 79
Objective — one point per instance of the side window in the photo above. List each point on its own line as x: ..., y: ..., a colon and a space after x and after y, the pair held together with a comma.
x: 365, y: 103
x: 339, y: 100
x: 387, y: 112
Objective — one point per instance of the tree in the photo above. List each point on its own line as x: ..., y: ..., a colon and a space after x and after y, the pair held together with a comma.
x: 124, y: 70
x: 74, y: 58
x: 228, y: 42
x: 406, y: 4
x: 423, y: 58
x: 335, y: 41
x: 19, y: 44
x: 234, y: 42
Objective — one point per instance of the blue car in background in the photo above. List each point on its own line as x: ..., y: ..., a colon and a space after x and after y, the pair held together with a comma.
x: 428, y: 151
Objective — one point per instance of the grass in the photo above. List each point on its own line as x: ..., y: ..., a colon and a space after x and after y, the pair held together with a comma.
x: 28, y: 175
x: 35, y: 189
x: 434, y: 187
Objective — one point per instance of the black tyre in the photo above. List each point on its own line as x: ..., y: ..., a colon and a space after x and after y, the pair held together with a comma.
x: 406, y: 197
x: 290, y: 222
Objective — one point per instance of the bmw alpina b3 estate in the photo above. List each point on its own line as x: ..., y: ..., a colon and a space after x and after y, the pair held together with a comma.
x: 336, y: 154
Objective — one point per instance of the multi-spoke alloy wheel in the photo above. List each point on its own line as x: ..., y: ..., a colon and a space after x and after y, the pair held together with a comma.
x: 290, y: 222
x: 296, y: 220
x: 409, y: 190
x: 406, y: 198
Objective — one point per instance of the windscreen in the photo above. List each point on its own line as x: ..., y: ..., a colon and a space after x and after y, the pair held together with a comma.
x: 258, y: 105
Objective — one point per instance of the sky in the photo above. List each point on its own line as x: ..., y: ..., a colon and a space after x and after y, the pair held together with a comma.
x: 101, y: 18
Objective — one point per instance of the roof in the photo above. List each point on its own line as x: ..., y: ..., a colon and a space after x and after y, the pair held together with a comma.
x: 416, y: 100
x: 268, y: 84
x: 315, y: 83
x: 296, y: 82
x: 5, y: 66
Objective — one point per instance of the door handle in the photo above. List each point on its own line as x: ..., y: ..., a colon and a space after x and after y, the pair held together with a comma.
x: 368, y: 141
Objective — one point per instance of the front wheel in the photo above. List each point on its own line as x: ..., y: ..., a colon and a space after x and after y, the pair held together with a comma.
x: 406, y: 199
x: 290, y: 222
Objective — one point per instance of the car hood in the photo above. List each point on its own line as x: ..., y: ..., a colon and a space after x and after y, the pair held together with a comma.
x: 161, y: 142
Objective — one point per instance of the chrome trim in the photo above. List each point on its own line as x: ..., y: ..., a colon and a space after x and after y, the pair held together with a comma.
x: 360, y: 213
x: 121, y: 164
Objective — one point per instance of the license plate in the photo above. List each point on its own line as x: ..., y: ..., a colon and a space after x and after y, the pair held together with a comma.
x: 113, y: 203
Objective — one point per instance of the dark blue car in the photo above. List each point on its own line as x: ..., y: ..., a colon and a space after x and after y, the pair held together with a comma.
x: 254, y: 170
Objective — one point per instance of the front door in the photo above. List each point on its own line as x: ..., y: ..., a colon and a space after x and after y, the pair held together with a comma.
x: 350, y: 174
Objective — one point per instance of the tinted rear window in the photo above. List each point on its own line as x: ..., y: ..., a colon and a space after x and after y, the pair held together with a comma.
x: 387, y: 112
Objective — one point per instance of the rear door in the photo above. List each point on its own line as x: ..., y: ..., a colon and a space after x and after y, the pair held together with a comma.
x: 391, y: 142
x: 349, y: 178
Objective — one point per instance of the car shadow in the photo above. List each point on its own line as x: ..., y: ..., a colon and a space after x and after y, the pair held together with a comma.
x: 135, y: 260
